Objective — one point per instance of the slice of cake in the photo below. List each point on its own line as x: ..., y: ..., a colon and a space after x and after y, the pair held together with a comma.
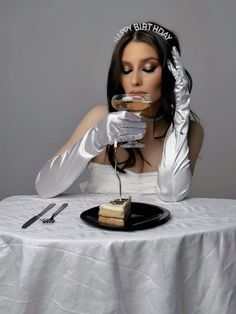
x: 115, y: 213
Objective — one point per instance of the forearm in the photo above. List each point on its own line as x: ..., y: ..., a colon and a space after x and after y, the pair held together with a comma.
x: 59, y: 173
x: 174, y: 175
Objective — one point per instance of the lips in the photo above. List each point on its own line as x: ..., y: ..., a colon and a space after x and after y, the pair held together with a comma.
x: 137, y: 92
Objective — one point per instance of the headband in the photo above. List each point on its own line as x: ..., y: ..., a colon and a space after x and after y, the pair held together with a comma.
x: 143, y: 26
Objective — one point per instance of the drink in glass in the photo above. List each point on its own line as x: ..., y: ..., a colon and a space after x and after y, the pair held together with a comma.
x: 135, y: 103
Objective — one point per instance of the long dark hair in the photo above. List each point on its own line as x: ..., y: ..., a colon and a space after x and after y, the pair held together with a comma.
x: 167, y: 103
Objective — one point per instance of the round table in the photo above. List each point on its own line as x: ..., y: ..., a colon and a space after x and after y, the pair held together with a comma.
x: 185, y: 266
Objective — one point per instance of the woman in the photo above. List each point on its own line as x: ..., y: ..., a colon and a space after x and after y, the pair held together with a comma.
x: 145, y: 60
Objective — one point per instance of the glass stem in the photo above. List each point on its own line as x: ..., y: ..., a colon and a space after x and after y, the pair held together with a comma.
x: 115, y: 148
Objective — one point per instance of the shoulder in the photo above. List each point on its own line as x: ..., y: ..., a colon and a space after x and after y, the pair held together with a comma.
x: 99, y: 110
x: 93, y: 116
x: 196, y: 129
x: 195, y: 140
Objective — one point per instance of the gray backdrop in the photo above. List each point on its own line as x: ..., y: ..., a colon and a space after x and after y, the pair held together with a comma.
x: 54, y: 57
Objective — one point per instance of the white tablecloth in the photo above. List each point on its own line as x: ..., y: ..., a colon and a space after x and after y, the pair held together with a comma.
x: 186, y: 266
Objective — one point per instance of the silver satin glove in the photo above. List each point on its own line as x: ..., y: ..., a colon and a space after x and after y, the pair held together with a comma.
x: 59, y: 173
x: 119, y: 126
x: 174, y: 176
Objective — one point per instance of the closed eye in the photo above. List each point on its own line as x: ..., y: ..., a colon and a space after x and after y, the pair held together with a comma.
x: 124, y: 71
x: 149, y: 70
x: 144, y: 70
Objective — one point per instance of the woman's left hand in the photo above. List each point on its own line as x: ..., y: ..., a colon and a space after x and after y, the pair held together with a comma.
x: 174, y: 175
x: 181, y: 91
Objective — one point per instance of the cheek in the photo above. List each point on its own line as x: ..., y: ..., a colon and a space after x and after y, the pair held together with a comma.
x: 123, y: 81
x: 155, y: 85
x: 155, y: 81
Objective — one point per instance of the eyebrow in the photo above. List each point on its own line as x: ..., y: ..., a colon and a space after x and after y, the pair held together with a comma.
x: 142, y: 60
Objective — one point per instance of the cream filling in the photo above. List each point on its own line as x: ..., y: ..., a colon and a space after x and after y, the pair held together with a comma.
x: 115, y: 210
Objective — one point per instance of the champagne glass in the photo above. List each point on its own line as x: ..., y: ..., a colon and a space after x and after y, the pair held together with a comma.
x: 135, y: 103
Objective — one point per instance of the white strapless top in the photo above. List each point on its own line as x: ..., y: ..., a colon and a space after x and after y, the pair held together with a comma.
x: 102, y: 179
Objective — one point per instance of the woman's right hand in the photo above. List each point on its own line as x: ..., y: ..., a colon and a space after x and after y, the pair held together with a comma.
x: 121, y: 126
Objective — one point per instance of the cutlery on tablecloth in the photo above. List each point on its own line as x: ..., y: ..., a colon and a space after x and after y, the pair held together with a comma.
x: 51, y: 219
x: 33, y: 219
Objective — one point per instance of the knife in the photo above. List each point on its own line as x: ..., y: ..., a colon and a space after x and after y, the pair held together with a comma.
x: 33, y: 219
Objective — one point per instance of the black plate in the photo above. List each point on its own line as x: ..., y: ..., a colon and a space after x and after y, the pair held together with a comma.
x: 143, y: 216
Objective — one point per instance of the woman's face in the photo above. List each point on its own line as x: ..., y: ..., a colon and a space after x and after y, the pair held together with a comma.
x: 141, y: 70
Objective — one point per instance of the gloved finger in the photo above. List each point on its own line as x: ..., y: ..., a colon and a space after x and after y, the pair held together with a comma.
x: 172, y: 69
x: 127, y: 129
x: 130, y: 137
x: 131, y: 124
x: 126, y: 115
x: 124, y: 132
x: 177, y: 61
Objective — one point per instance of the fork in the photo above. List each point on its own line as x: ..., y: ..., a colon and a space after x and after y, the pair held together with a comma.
x: 51, y: 219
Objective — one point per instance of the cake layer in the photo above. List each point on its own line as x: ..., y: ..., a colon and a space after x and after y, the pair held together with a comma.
x: 115, y: 209
x: 111, y: 221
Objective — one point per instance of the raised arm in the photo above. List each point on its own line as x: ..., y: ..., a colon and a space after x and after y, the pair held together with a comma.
x: 177, y: 163
x: 96, y: 130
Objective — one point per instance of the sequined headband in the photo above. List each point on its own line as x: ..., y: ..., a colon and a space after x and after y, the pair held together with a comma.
x: 143, y: 26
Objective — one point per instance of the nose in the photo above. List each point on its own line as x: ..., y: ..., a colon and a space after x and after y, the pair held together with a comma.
x: 136, y: 79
